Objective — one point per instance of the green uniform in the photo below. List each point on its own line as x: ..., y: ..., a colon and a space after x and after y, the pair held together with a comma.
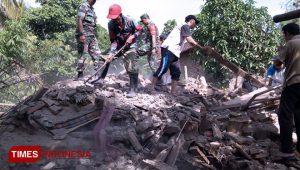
x: 144, y: 42
x: 90, y: 46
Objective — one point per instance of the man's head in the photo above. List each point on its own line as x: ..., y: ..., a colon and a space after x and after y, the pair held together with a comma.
x: 145, y: 18
x: 115, y: 13
x: 192, y: 21
x: 277, y: 62
x: 163, y: 37
x: 290, y: 30
x: 91, y: 2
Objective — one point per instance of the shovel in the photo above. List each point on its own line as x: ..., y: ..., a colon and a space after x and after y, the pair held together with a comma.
x: 106, y: 62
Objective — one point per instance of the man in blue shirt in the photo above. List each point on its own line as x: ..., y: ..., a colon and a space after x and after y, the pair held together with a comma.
x: 275, y: 72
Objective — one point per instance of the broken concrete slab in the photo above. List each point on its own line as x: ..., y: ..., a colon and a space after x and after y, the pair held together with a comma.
x: 38, y: 105
x: 55, y: 109
x: 144, y: 124
x: 47, y: 101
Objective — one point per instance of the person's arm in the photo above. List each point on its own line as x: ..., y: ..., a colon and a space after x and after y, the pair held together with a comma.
x: 153, y: 32
x: 270, y: 73
x: 135, y: 35
x: 191, y: 40
x: 80, y: 16
x: 187, y: 34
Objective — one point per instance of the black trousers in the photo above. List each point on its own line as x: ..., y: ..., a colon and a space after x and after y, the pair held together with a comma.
x: 289, y: 110
x: 168, y: 61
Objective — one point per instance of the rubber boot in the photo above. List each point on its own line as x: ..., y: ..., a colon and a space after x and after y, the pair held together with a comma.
x: 79, y: 76
x: 136, y: 82
x: 131, y: 93
x: 173, y: 87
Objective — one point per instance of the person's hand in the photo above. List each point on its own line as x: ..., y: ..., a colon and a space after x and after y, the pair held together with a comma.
x: 130, y: 39
x: 109, y: 58
x: 82, y: 38
x: 153, y: 52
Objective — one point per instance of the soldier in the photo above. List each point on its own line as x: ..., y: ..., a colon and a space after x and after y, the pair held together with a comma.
x: 87, y: 43
x: 147, y: 40
x: 120, y: 27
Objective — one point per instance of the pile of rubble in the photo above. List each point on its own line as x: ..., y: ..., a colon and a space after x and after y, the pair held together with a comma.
x: 193, y: 130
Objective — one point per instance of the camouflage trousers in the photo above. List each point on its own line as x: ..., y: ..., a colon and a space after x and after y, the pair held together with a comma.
x: 131, y: 61
x: 88, y: 48
x: 151, y: 59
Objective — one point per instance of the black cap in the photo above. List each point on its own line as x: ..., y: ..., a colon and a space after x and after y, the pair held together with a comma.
x: 277, y: 58
x: 189, y: 17
x: 163, y: 36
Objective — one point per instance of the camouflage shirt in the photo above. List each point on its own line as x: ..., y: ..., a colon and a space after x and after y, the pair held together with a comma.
x: 89, y: 19
x: 144, y: 36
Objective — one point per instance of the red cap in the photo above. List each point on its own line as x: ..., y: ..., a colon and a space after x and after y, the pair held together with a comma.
x: 114, y: 11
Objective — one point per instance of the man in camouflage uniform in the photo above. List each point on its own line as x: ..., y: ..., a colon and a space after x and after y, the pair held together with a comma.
x: 147, y: 40
x: 121, y: 30
x: 86, y: 37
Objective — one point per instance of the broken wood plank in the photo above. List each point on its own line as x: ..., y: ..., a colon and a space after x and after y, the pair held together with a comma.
x: 223, y: 107
x: 172, y: 157
x: 159, y: 165
x: 241, y: 150
x: 196, y: 162
x: 134, y: 141
x: 233, y: 67
x: 195, y: 151
x: 258, y: 94
x: 242, y: 100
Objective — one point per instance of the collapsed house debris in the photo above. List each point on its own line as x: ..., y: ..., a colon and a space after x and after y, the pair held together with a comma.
x: 198, y: 129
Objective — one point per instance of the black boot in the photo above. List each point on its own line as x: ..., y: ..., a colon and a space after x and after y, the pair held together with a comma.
x: 136, y: 82
x: 131, y: 93
x: 79, y: 76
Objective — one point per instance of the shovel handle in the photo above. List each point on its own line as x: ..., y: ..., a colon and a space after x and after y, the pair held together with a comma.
x: 105, y: 63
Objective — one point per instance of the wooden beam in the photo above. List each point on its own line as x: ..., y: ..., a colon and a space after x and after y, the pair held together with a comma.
x: 237, y: 70
x: 287, y: 16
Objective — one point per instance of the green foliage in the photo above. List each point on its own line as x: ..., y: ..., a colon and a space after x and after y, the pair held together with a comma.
x: 11, y: 9
x: 169, y: 25
x: 245, y: 34
x: 15, y: 44
x: 55, y: 56
x: 42, y: 43
x: 103, y: 38
x: 52, y: 17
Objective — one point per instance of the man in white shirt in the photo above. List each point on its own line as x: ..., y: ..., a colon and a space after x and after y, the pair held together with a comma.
x: 179, y: 40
